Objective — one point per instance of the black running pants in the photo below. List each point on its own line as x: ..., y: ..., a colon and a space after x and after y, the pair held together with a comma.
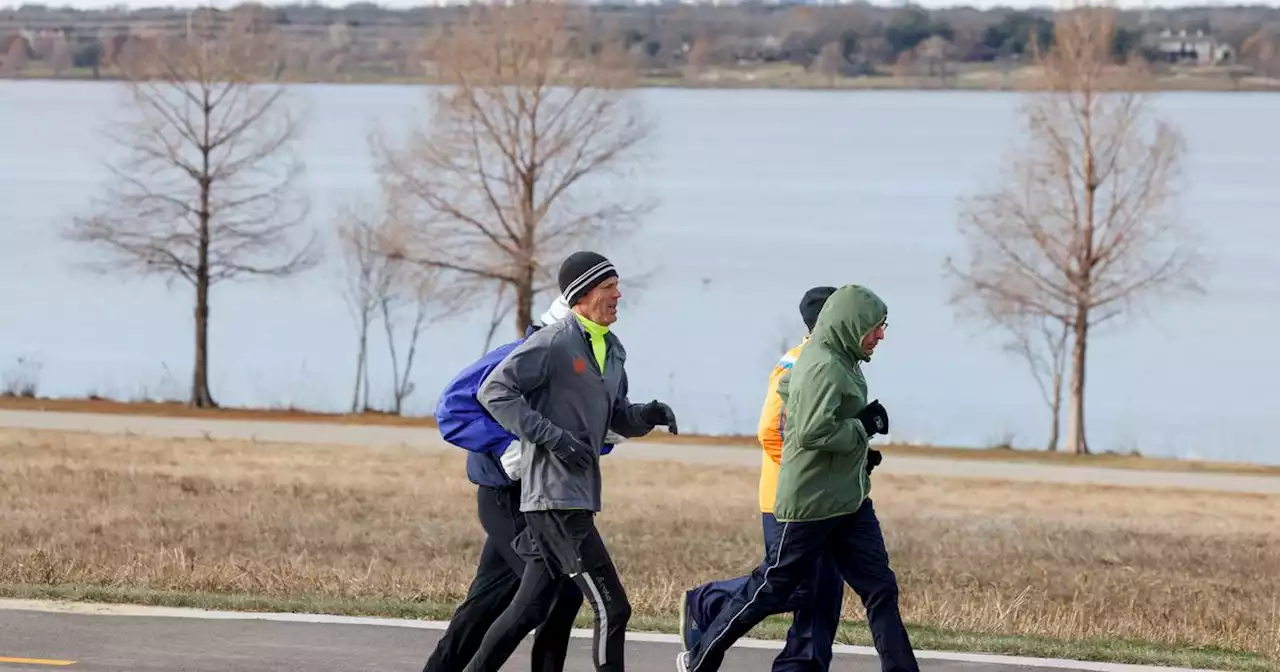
x: 565, y: 553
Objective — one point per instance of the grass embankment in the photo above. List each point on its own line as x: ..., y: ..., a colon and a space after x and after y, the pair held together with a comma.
x: 181, y: 410
x: 1124, y: 574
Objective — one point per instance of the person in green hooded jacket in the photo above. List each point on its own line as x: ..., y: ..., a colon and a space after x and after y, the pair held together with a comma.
x: 823, y: 502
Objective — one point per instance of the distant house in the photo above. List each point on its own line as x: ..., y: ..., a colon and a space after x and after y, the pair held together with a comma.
x: 1196, y: 47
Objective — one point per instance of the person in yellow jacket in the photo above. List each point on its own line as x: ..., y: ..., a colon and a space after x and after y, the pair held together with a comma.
x: 816, y: 606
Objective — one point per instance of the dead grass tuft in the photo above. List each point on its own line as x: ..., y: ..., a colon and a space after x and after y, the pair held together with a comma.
x: 278, y: 521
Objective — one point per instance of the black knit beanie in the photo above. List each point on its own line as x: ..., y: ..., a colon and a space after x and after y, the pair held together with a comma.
x: 812, y: 304
x: 581, y: 272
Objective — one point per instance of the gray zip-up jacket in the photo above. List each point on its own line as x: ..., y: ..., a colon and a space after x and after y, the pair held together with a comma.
x: 551, y: 384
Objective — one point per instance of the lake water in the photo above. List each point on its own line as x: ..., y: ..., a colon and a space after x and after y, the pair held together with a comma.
x: 762, y: 195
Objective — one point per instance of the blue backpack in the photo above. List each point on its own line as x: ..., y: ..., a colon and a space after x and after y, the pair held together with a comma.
x: 463, y: 421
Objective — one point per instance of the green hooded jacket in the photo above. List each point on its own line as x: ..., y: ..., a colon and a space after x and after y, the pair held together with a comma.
x: 824, y: 447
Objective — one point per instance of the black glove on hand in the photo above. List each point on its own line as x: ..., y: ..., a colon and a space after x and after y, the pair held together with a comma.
x: 657, y: 413
x: 574, y: 453
x: 874, y: 418
x: 873, y: 459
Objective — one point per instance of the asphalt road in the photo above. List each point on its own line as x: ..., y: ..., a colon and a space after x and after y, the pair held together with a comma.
x: 428, y: 439
x: 97, y: 643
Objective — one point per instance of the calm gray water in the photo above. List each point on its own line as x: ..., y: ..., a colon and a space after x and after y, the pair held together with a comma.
x: 763, y: 194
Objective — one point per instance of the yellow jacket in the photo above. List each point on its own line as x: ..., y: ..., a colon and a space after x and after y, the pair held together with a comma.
x: 769, y: 430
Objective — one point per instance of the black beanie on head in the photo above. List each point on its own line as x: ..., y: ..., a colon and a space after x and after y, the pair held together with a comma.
x: 812, y: 304
x: 581, y: 272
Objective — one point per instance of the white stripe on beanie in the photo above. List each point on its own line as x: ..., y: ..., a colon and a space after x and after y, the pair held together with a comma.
x: 586, y: 279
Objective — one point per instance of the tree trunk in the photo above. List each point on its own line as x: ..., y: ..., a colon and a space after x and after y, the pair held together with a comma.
x: 403, y: 387
x: 1058, y: 359
x: 1055, y: 406
x: 1076, y: 442
x: 365, y: 405
x: 524, y: 303
x: 361, y: 358
x: 200, y: 396
x: 528, y: 241
x: 391, y: 346
x: 1083, y: 285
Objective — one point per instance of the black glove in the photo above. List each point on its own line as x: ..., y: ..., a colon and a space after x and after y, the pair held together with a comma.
x: 657, y: 413
x: 874, y: 418
x: 873, y: 459
x: 574, y: 453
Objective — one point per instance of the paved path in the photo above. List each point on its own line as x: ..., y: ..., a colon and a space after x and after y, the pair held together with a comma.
x: 102, y: 638
x: 428, y: 439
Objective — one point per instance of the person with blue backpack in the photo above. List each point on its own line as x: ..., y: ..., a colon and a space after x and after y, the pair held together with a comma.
x: 493, y: 456
x: 561, y: 391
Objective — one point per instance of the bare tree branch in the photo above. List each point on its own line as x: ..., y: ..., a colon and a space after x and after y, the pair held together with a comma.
x: 501, y: 183
x: 427, y: 296
x: 502, y: 304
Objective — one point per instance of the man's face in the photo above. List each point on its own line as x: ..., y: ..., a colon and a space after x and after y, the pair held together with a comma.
x: 600, y: 305
x: 873, y: 338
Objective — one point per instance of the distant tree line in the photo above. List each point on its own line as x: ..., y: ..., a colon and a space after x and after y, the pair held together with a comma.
x: 365, y: 40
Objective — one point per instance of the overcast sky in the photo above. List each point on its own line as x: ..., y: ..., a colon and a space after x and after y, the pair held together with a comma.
x: 98, y: 4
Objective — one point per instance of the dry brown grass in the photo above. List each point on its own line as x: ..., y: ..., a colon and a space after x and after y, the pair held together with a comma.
x: 1062, y: 561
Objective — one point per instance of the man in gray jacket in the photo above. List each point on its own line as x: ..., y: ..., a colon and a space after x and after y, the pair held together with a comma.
x: 560, y: 392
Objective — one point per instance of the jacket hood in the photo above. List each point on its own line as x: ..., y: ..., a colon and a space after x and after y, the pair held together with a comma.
x: 848, y: 316
x: 558, y: 310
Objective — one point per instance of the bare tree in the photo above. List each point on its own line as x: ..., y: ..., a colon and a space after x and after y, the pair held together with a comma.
x: 502, y: 305
x: 427, y: 295
x: 1042, y: 343
x: 905, y: 64
x: 829, y: 61
x: 1082, y: 229
x: 1261, y: 51
x: 701, y: 54
x: 61, y: 59
x: 509, y: 175
x: 206, y: 193
x: 936, y: 51
x: 368, y: 275
x: 379, y: 285
x: 15, y: 59
x: 1039, y: 340
x: 42, y: 46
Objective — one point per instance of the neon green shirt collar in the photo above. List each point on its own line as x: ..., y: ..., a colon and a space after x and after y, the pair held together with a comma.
x: 597, y: 333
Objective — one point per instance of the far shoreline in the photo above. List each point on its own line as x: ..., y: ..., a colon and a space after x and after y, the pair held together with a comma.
x: 747, y: 81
